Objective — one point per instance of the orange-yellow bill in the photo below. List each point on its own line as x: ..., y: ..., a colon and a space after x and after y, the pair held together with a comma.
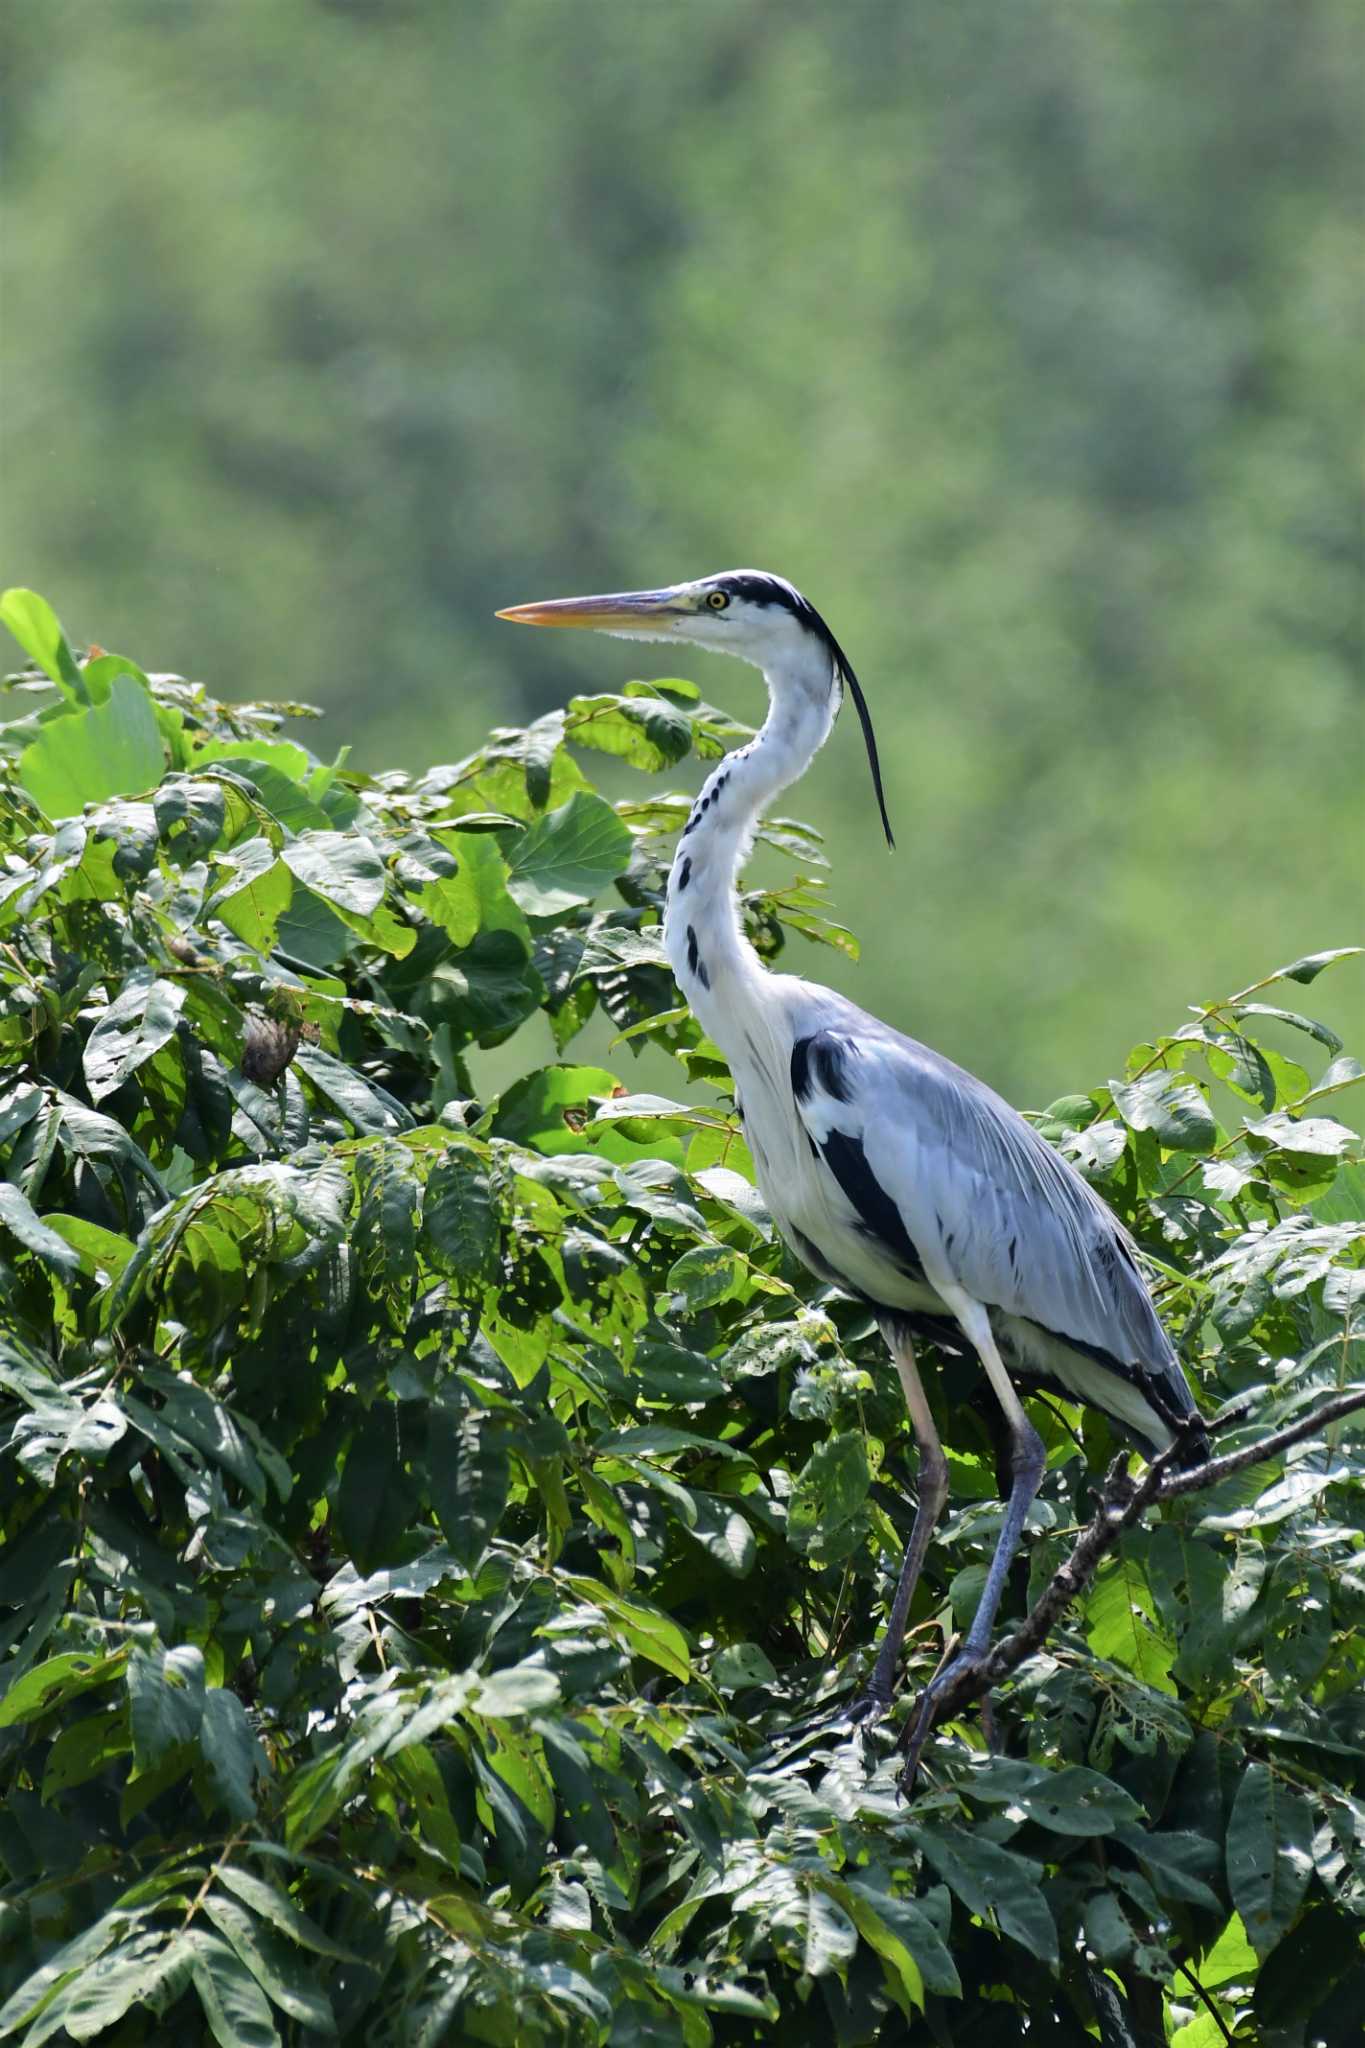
x: 623, y: 610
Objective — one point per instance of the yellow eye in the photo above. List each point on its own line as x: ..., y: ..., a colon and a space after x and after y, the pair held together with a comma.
x: 718, y: 599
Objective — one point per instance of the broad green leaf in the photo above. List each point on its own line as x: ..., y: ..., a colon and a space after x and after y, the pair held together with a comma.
x: 568, y: 856
x: 55, y: 1680
x: 1070, y: 1801
x: 232, y: 1755
x: 647, y: 732
x: 375, y: 1497
x: 1312, y: 964
x: 109, y: 749
x: 830, y: 1488
x: 643, y: 1629
x: 724, y: 1534
x: 705, y: 1276
x: 468, y: 1474
x: 255, y: 894
x: 22, y: 1221
x: 1173, y: 1109
x: 901, y: 1930
x: 1231, y: 1959
x: 101, y: 1254
x: 1269, y: 1854
x: 1180, y: 1864
x: 274, y: 1963
x: 141, y: 1019
x: 147, y: 1969
x: 370, y: 1109
x: 268, y: 1902
x: 459, y: 1223
x: 523, y: 1689
x: 234, y: 2005
x: 35, y: 626
x: 992, y: 1880
x: 1121, y: 1623
x: 341, y: 867
x: 166, y: 1696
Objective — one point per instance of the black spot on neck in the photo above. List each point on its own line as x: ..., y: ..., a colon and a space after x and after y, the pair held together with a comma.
x: 684, y: 873
x: 695, y: 964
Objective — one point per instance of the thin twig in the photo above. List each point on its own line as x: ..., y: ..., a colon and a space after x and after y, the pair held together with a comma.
x: 1209, y: 2005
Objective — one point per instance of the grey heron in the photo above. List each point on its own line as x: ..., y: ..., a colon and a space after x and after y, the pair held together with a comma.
x: 893, y: 1173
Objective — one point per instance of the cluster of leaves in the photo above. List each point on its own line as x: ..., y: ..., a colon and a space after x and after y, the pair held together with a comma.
x: 428, y: 1523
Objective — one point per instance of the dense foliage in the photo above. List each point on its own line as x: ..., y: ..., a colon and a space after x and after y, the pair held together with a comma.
x: 1024, y: 335
x: 428, y: 1523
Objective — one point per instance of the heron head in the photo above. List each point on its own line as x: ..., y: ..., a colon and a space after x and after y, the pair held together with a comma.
x: 757, y: 617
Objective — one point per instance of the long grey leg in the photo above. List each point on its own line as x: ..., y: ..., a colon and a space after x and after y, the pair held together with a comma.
x: 932, y: 1493
x: 1027, y: 1461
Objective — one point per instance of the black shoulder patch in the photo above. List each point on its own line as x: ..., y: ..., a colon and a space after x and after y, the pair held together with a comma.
x: 820, y: 1061
x: 880, y: 1217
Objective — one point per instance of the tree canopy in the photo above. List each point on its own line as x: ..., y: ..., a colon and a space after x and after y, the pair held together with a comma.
x: 1025, y: 338
x: 433, y: 1526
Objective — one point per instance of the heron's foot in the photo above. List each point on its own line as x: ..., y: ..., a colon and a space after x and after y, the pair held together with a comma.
x: 866, y: 1708
x: 869, y: 1705
x: 933, y: 1703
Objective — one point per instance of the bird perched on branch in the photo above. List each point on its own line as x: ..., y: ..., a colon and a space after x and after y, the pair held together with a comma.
x: 893, y: 1174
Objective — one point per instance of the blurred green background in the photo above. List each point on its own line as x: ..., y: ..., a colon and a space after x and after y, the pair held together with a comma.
x: 1024, y: 335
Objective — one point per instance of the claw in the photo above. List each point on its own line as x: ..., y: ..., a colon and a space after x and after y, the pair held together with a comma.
x: 936, y: 1695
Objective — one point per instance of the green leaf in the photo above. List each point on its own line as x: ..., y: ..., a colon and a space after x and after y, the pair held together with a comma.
x: 1174, y: 1110
x: 648, y: 732
x: 1312, y: 964
x: 141, y: 1019
x: 724, y: 1534
x: 166, y: 1697
x: 902, y: 1931
x: 830, y: 1488
x: 1178, y: 1862
x: 148, y: 1969
x: 468, y: 1475
x: 269, y: 1903
x: 375, y: 1497
x: 234, y: 2005
x: 274, y: 1963
x: 568, y: 856
x: 1121, y: 1624
x: 109, y: 749
x: 100, y: 1254
x: 51, y: 1683
x: 232, y: 1756
x: 1269, y: 1854
x: 34, y: 625
x: 708, y: 1274
x: 459, y: 1223
x: 644, y: 1629
x: 22, y: 1221
x: 256, y: 894
x: 992, y: 1880
x: 362, y: 1104
x: 342, y: 867
x: 522, y: 1689
x: 1070, y: 1801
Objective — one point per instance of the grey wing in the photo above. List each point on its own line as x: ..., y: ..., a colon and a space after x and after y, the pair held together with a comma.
x: 987, y: 1203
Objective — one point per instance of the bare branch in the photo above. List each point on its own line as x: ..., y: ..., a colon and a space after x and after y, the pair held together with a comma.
x: 1214, y: 1469
x: 1122, y: 1500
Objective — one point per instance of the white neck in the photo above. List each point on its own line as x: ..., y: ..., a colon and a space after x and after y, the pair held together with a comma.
x: 715, y: 966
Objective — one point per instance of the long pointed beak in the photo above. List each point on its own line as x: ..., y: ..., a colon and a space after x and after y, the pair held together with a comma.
x: 625, y: 609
